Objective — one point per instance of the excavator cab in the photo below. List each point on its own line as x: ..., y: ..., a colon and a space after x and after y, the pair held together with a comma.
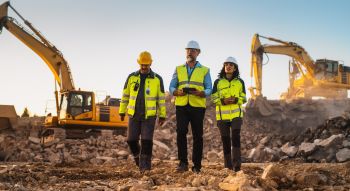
x: 77, y: 105
x: 326, y: 69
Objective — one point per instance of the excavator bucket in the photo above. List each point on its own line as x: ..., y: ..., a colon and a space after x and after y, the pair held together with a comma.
x: 261, y: 105
x: 8, y: 117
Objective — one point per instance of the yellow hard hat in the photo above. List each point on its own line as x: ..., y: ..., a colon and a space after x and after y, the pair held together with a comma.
x: 145, y: 58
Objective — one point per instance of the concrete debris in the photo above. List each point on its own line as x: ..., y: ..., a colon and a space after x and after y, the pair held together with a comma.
x: 298, y: 130
x: 311, y: 179
x: 305, y: 149
x: 343, y: 155
x: 272, y: 171
x: 331, y: 141
x: 213, y: 156
x: 306, y: 130
x: 161, y: 145
x: 236, y: 183
x: 289, y: 149
x: 34, y: 140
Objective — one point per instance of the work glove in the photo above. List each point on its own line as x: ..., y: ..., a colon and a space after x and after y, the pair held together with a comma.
x: 122, y: 117
x: 198, y: 93
x: 228, y: 101
x: 179, y: 92
x: 234, y: 100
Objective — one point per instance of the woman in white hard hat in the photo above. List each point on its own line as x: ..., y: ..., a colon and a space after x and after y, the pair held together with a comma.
x: 228, y: 96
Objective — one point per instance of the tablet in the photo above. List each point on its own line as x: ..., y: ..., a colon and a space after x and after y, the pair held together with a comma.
x: 188, y: 90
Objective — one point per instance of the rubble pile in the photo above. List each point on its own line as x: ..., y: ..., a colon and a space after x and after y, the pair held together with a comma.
x: 311, y: 131
x: 96, y: 151
x: 308, y: 134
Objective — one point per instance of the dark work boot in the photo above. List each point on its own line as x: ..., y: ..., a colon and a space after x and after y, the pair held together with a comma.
x: 236, y: 159
x: 148, y: 162
x: 146, y: 155
x: 226, y: 144
x: 142, y: 165
x: 145, y: 163
x: 228, y: 161
x: 137, y: 160
x: 182, y: 167
x: 135, y: 150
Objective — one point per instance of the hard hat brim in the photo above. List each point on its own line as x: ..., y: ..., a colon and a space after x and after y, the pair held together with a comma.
x: 141, y: 63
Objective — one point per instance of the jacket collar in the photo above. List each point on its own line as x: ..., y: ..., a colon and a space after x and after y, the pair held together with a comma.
x: 224, y: 78
x: 197, y: 64
x: 150, y: 74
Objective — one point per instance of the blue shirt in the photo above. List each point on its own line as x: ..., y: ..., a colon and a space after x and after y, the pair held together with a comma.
x: 207, y: 80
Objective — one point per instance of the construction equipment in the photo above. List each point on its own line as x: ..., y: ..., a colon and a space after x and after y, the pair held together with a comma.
x: 307, y: 78
x: 323, y: 78
x: 8, y: 117
x: 76, y: 109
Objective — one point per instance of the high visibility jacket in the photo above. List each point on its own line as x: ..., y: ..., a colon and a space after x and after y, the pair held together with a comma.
x: 226, y: 89
x: 196, y: 80
x: 153, y: 94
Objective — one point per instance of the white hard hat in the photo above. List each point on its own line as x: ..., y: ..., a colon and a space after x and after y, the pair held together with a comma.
x: 231, y: 60
x: 193, y: 44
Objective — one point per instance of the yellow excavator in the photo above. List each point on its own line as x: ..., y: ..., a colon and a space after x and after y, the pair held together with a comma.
x: 323, y: 78
x: 77, y: 110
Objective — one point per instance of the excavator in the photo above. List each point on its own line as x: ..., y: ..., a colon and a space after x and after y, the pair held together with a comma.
x: 77, y: 110
x: 307, y: 79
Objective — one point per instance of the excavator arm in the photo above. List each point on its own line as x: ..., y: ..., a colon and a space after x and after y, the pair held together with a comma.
x: 298, y: 53
x: 40, y: 45
x: 76, y: 109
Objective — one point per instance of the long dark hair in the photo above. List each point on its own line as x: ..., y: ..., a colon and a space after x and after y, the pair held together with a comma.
x: 222, y: 73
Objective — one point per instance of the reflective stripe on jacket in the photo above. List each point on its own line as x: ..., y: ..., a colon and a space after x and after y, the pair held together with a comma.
x: 153, y: 91
x: 225, y: 89
x: 196, y: 80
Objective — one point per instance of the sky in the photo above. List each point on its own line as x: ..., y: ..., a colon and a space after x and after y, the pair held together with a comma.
x: 101, y: 41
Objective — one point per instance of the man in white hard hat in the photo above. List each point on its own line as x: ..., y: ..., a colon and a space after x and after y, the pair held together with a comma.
x: 190, y: 84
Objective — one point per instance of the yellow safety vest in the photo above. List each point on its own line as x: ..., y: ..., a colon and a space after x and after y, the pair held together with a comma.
x: 154, y: 98
x: 226, y: 89
x: 196, y: 81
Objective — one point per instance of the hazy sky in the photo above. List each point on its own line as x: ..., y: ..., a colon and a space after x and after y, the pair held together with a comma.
x: 102, y: 39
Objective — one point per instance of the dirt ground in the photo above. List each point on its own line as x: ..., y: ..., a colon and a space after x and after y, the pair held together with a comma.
x: 125, y: 176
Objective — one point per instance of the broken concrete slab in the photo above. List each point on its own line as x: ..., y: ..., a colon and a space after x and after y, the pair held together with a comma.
x: 343, y: 155
x: 289, y: 150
